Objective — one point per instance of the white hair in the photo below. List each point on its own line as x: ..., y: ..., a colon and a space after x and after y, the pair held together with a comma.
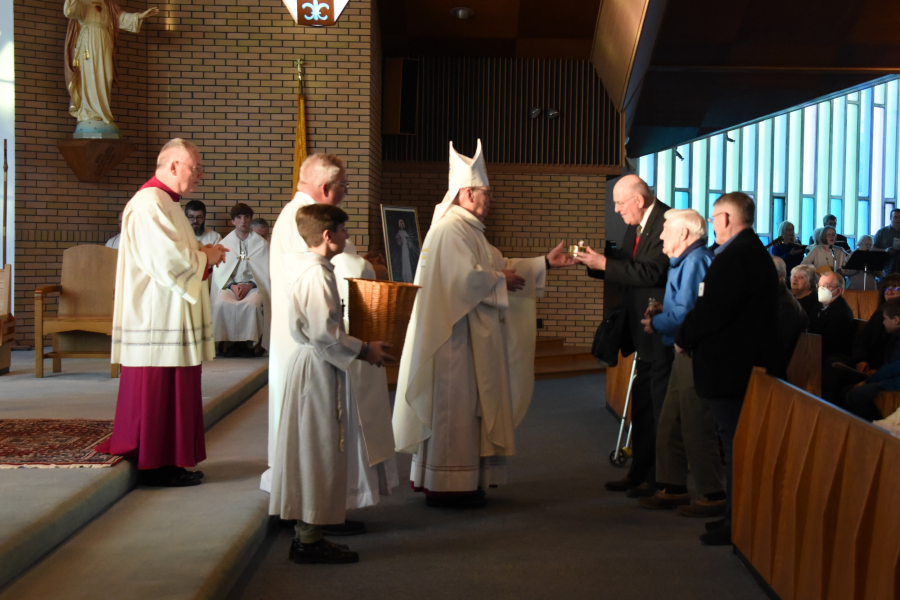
x: 808, y: 273
x: 690, y: 219
x: 780, y: 267
x: 321, y: 169
x: 174, y: 150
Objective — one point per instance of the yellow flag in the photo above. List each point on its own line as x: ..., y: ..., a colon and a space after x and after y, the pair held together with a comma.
x: 300, y: 144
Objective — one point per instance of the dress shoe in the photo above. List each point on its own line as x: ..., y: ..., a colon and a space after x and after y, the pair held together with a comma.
x: 718, y: 537
x: 620, y: 485
x: 476, y: 499
x: 195, y: 474
x: 717, y: 524
x: 322, y: 551
x: 345, y: 528
x: 703, y: 508
x: 663, y: 500
x: 167, y: 477
x: 645, y: 489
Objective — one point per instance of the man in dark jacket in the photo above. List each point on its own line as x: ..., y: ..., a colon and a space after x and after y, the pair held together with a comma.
x: 639, y: 268
x: 731, y: 327
x: 792, y: 321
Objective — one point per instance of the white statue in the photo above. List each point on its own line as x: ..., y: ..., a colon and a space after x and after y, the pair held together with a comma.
x: 406, y: 247
x: 90, y: 61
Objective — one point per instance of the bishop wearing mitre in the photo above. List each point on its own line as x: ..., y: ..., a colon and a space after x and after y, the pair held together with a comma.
x: 467, y: 371
x: 371, y: 467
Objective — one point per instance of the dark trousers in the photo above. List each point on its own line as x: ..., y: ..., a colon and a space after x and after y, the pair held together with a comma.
x: 726, y: 412
x: 861, y: 401
x: 649, y: 392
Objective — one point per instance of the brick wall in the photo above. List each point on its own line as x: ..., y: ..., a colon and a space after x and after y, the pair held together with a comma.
x: 218, y: 72
x: 531, y: 214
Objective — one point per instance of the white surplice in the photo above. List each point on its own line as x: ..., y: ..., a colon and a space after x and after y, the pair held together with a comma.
x: 374, y: 469
x: 161, y: 315
x: 467, y: 372
x: 309, y: 470
x: 209, y: 237
x: 246, y: 319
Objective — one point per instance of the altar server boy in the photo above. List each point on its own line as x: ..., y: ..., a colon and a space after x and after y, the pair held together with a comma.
x: 309, y: 474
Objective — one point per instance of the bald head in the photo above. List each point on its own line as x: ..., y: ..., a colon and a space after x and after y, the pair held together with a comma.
x: 632, y: 198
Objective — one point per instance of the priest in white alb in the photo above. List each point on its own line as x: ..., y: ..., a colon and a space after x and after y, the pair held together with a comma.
x: 241, y: 290
x: 162, y: 326
x: 372, y: 468
x: 467, y: 371
x: 195, y: 211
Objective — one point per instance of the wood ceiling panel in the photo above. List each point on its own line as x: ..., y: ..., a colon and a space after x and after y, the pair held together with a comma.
x: 493, y: 19
x: 574, y: 19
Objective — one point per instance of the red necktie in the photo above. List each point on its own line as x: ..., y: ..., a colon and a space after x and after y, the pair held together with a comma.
x: 637, y: 238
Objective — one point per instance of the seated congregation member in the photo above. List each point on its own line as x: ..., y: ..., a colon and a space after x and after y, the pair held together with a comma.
x: 309, y: 473
x: 260, y: 227
x: 686, y: 434
x: 858, y: 280
x: 803, y: 286
x: 241, y: 289
x: 113, y: 242
x: 731, y: 327
x: 835, y: 321
x: 792, y: 321
x: 826, y: 253
x: 860, y: 400
x: 789, y: 249
x: 868, y: 350
x: 195, y: 211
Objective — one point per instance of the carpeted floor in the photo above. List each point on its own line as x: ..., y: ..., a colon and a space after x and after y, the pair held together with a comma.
x: 552, y: 532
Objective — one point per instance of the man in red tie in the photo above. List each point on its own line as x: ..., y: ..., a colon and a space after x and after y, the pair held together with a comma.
x: 640, y: 269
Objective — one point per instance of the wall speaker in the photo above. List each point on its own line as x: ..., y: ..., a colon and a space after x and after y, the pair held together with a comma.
x: 399, y: 111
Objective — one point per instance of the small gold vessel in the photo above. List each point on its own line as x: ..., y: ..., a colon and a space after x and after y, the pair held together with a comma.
x: 574, y: 249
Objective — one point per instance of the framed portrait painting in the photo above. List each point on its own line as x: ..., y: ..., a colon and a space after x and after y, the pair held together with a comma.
x: 402, y: 242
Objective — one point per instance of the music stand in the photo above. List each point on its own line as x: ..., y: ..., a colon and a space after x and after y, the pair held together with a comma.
x: 866, y: 261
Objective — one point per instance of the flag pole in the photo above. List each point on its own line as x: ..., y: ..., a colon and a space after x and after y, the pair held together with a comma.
x: 300, y: 143
x: 5, y: 200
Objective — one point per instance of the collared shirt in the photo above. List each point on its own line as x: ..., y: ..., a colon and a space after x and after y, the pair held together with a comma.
x: 718, y: 250
x: 643, y: 224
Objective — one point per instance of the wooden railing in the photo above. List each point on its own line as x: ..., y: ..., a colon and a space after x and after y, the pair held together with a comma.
x: 816, y: 495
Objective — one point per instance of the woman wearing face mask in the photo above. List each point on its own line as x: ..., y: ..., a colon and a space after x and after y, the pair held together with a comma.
x: 826, y: 254
x: 856, y: 279
x: 803, y: 286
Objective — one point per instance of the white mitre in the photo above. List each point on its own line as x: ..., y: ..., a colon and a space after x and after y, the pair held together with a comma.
x: 465, y: 172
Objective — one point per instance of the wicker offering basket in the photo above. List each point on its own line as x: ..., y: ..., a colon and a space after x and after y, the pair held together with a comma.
x: 380, y: 310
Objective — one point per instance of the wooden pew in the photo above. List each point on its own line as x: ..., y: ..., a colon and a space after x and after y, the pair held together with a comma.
x: 863, y: 303
x: 805, y: 368
x: 7, y: 320
x: 617, y: 385
x: 815, y: 497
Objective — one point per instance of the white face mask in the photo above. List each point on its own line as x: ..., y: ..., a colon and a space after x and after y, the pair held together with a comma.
x: 825, y: 295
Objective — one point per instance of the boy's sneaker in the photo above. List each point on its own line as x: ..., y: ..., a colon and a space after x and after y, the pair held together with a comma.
x: 322, y: 551
x: 663, y: 500
x: 703, y: 508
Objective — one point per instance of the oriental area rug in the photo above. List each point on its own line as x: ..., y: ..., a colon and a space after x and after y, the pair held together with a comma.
x: 54, y: 443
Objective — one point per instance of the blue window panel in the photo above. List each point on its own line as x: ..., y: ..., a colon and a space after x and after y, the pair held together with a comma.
x: 683, y: 167
x: 764, y: 239
x: 888, y: 209
x: 777, y: 212
x: 865, y: 141
x: 646, y: 170
x: 854, y: 97
x: 836, y: 208
x: 682, y: 200
x: 879, y: 94
x: 710, y: 231
x: 862, y: 219
x: 810, y: 118
x: 808, y: 222
x: 748, y: 155
x: 838, y: 113
x: 877, y: 187
x: 779, y: 163
x: 890, y: 141
x: 717, y: 162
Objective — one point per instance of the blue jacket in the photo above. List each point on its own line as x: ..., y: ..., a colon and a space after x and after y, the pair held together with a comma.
x: 682, y: 288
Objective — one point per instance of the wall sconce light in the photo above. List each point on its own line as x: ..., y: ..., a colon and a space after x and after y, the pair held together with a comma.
x: 534, y: 112
x: 728, y: 139
x: 552, y: 113
x: 678, y: 154
x: 461, y: 12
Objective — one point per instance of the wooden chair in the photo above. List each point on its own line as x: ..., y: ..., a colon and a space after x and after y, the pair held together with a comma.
x: 82, y: 327
x: 805, y: 368
x: 7, y: 321
x: 863, y: 303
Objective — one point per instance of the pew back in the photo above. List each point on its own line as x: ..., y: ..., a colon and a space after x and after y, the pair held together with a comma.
x: 863, y: 302
x: 805, y: 368
x: 815, y: 496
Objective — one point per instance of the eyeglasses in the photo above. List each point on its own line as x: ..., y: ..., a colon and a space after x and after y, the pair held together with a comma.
x: 196, y: 170
x: 344, y: 185
x: 830, y: 288
x: 892, y: 289
x: 624, y: 202
x: 713, y: 218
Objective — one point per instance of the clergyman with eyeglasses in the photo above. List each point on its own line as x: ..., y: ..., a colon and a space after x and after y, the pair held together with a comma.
x: 162, y: 325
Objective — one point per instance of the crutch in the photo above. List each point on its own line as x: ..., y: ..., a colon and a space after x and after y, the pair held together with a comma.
x: 620, y: 455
